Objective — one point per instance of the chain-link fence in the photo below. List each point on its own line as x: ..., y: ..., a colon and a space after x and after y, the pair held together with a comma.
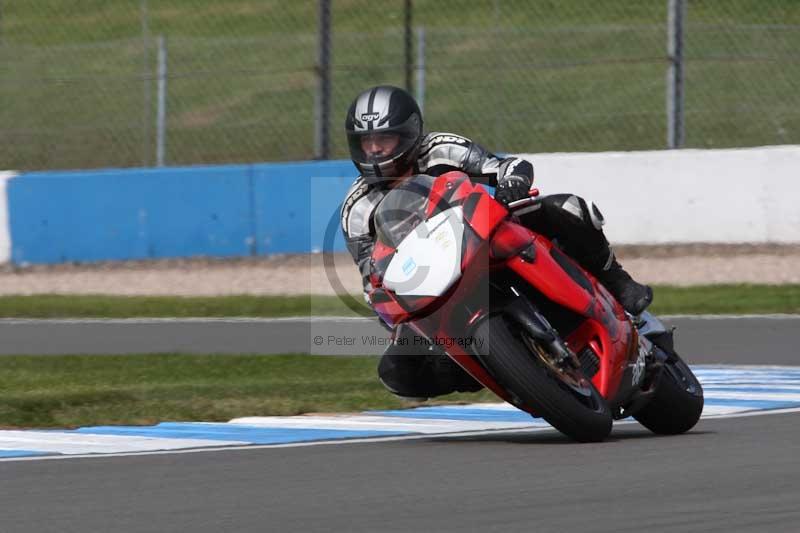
x: 145, y: 82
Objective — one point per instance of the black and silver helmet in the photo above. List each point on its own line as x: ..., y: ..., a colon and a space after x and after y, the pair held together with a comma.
x: 384, y: 110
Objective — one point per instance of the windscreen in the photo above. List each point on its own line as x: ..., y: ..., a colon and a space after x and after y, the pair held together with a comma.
x: 402, y: 209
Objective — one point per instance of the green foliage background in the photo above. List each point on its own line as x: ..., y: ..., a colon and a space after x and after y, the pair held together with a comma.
x: 77, y: 77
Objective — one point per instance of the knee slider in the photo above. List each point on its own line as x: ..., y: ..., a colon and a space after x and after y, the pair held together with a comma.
x: 403, y: 396
x: 577, y: 207
x: 574, y: 206
x: 597, y: 218
x: 392, y: 375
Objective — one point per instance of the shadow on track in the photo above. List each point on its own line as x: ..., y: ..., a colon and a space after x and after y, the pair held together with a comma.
x: 554, y: 438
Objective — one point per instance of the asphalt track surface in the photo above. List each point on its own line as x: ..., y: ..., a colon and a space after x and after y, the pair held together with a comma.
x: 701, y: 340
x: 735, y: 474
x: 728, y: 474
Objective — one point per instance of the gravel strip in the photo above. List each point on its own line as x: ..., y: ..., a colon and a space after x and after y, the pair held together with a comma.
x: 683, y: 265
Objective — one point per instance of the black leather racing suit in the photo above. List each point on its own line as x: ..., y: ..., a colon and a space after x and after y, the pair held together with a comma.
x: 406, y: 368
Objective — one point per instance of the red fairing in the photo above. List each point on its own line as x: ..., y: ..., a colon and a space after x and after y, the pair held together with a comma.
x: 472, y: 247
x: 509, y: 240
x: 381, y: 251
x: 483, y: 213
x: 551, y: 280
x: 383, y: 302
x: 592, y: 334
x: 493, y: 242
x: 451, y: 188
x: 441, y: 188
x: 381, y: 255
x: 462, y: 187
x: 387, y: 308
x: 606, y: 330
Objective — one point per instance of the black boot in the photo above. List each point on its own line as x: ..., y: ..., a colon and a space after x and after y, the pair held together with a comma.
x: 633, y: 296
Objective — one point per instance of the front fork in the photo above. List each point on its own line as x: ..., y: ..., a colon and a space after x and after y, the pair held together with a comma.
x: 528, y: 317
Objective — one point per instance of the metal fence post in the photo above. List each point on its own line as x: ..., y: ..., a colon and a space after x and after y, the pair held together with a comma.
x: 408, y: 44
x: 675, y: 80
x: 161, y: 121
x: 421, y: 69
x: 147, y: 86
x: 322, y: 102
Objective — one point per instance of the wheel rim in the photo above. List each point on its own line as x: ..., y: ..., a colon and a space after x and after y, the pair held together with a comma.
x: 570, y: 379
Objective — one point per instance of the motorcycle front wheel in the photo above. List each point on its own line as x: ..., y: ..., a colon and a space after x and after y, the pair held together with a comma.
x: 567, y: 400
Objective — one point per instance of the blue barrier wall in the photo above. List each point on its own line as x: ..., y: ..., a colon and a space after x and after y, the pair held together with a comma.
x: 220, y: 211
x: 294, y: 203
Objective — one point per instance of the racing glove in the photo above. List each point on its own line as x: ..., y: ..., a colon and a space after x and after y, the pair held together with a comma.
x: 515, y: 177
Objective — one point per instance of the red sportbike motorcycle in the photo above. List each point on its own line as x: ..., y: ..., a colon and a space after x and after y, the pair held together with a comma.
x: 520, y: 316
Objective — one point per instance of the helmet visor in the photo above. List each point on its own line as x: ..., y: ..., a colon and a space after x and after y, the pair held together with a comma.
x: 379, y: 145
x: 375, y: 147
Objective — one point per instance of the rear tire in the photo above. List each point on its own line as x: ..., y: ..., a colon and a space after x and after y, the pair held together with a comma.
x: 677, y: 402
x: 530, y: 382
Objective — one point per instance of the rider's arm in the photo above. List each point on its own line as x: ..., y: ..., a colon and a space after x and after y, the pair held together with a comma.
x: 442, y: 152
x: 359, y: 231
x: 357, y: 210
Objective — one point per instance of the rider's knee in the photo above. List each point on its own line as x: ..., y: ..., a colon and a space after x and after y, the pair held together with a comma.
x: 423, y: 376
x: 400, y: 374
x: 571, y: 208
x: 406, y: 385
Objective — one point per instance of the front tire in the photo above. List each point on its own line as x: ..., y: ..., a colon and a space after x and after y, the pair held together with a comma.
x: 677, y: 402
x: 579, y: 412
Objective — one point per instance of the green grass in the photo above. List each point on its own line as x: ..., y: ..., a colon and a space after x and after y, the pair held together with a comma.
x: 80, y: 390
x: 99, y: 306
x: 713, y: 299
x: 727, y: 299
x: 77, y: 390
x: 516, y: 75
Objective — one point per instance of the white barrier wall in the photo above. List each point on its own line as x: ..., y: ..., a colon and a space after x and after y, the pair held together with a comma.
x: 5, y: 234
x: 749, y: 195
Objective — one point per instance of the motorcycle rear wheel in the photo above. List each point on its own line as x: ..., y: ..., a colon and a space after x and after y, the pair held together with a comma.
x: 677, y: 402
x: 581, y: 412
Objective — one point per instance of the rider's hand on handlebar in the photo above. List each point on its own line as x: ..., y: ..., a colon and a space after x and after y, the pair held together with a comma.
x: 511, y: 189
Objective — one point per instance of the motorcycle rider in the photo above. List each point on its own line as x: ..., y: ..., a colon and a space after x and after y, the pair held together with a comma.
x: 387, y: 143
